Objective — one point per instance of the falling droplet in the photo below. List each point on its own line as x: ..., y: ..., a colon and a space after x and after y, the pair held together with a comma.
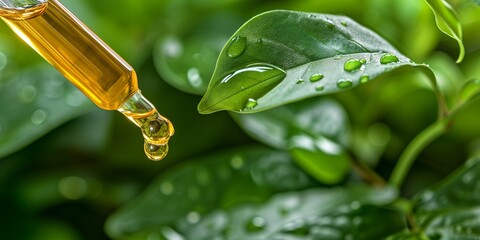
x: 316, y: 77
x: 256, y: 224
x: 364, y: 78
x: 388, y: 58
x: 300, y: 80
x: 344, y: 83
x: 352, y: 65
x: 320, y: 88
x: 38, y: 117
x: 167, y: 188
x: 155, y: 152
x: 237, y: 46
x: 251, y: 103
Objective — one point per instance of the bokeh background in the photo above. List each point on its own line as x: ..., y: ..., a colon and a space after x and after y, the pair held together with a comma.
x: 66, y: 166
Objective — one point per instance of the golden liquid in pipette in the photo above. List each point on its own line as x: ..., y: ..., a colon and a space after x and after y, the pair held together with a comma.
x: 95, y: 69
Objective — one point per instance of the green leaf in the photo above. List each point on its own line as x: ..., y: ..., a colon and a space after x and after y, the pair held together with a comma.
x: 451, y: 209
x: 315, y: 132
x: 448, y: 22
x: 322, y: 158
x: 34, y: 102
x: 183, y: 194
x: 339, y: 213
x: 260, y: 65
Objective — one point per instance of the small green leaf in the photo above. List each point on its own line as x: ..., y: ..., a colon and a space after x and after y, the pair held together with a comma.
x: 448, y: 22
x: 315, y: 132
x: 320, y: 157
x: 451, y: 210
x: 469, y: 90
x: 310, y: 45
x: 185, y: 194
x: 34, y: 102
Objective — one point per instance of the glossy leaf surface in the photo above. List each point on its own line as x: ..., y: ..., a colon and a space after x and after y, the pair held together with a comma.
x: 38, y: 100
x: 181, y: 196
x: 309, y: 59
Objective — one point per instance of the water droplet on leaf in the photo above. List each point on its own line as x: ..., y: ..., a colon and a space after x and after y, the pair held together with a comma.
x: 344, y: 83
x: 38, y: 117
x: 364, y: 78
x: 388, y: 58
x: 352, y: 65
x: 194, y: 78
x: 237, y: 46
x: 256, y: 224
x: 320, y: 88
x: 251, y: 103
x: 316, y: 77
x: 300, y: 80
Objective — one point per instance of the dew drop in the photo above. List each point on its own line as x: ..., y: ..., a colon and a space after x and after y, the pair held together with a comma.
x: 388, y: 58
x: 352, y: 65
x: 155, y: 152
x: 344, y: 83
x: 28, y: 93
x: 300, y: 81
x: 320, y: 88
x: 38, y: 117
x: 237, y: 46
x: 256, y: 224
x: 364, y: 78
x: 316, y: 77
x: 363, y: 60
x: 172, y: 47
x: 251, y: 103
x: 167, y: 188
x: 344, y: 23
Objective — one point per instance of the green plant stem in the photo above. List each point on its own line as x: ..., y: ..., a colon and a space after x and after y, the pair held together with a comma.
x: 424, y: 138
x: 412, y: 150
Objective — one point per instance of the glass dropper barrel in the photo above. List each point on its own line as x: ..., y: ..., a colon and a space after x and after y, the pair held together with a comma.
x: 90, y: 64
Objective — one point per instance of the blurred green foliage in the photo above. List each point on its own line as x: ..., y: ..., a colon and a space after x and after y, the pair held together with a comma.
x: 66, y: 166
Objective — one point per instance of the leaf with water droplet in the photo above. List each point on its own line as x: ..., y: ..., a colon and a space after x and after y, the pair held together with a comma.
x: 448, y: 22
x: 185, y: 56
x: 184, y: 196
x: 316, y: 209
x: 325, y: 51
x: 34, y: 102
x: 315, y: 131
